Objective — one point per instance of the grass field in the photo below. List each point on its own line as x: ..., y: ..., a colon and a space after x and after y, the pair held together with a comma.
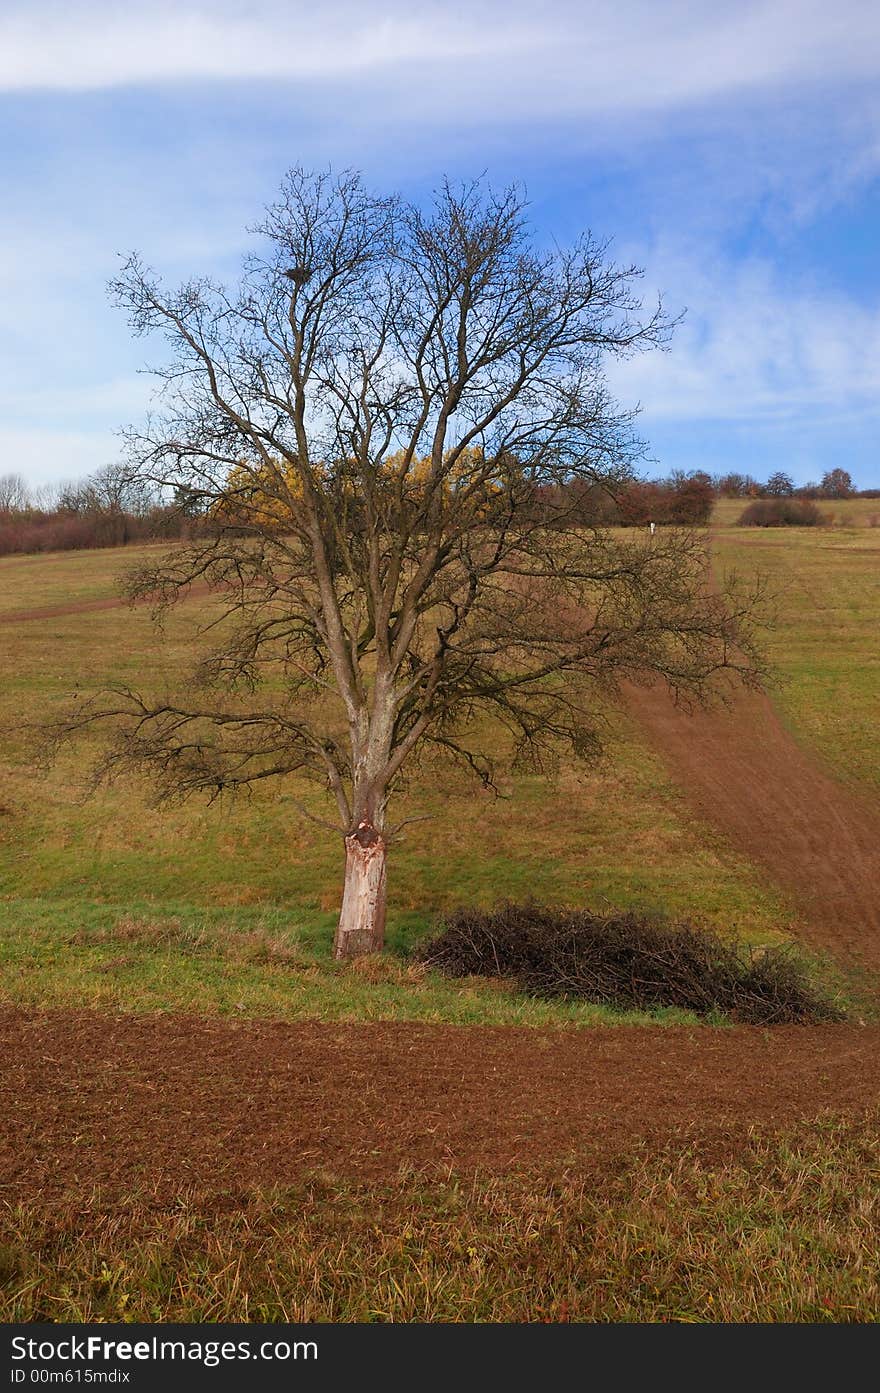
x: 824, y: 646
x: 244, y: 961
x: 619, y: 835
x: 229, y: 910
x: 786, y: 1231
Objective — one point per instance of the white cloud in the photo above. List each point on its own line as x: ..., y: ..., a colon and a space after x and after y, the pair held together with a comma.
x: 99, y: 45
x: 561, y: 58
x: 753, y: 349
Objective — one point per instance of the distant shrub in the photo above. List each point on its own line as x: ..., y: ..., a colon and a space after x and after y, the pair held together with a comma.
x: 781, y: 512
x: 684, y: 500
x: 627, y: 960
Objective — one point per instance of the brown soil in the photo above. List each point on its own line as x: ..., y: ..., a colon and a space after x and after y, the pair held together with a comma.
x: 163, y: 1102
x: 742, y: 771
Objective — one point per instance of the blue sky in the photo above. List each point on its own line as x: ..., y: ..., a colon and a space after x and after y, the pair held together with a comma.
x: 731, y: 147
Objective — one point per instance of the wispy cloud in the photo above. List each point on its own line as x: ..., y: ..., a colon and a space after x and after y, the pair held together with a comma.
x: 563, y: 57
x: 751, y: 348
x: 104, y: 45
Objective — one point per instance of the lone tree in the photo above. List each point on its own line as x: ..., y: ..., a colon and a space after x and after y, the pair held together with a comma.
x: 371, y: 420
x: 779, y: 485
x: 837, y: 483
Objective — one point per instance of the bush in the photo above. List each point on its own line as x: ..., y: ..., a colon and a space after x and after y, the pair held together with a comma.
x: 627, y: 960
x: 685, y: 500
x: 781, y: 512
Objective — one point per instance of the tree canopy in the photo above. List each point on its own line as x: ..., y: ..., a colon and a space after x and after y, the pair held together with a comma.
x: 368, y: 418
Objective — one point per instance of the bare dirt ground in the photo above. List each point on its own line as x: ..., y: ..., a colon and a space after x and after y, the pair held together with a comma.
x: 743, y: 772
x: 162, y: 1102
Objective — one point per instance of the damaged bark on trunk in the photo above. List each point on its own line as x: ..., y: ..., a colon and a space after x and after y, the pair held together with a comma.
x: 361, y: 927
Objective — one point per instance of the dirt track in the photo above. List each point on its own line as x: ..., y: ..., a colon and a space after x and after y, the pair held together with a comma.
x: 20, y: 616
x: 117, y: 1102
x: 742, y: 771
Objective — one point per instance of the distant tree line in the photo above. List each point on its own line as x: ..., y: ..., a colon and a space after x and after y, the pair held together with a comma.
x: 835, y: 484
x: 106, y: 509
x: 685, y: 499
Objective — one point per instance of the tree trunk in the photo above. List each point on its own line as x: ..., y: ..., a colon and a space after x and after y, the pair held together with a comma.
x: 361, y: 927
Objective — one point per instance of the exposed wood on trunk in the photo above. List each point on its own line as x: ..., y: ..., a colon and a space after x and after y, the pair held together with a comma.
x: 361, y: 927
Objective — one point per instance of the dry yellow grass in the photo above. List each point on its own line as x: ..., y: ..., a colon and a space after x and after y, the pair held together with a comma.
x: 789, y: 1230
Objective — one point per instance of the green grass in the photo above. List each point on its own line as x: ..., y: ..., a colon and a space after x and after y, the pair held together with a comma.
x: 787, y: 1229
x: 249, y: 962
x: 620, y: 835
x: 824, y: 646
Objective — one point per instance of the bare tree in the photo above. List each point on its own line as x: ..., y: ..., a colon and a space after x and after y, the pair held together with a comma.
x: 779, y: 485
x: 15, y: 496
x: 837, y: 483
x: 370, y: 418
x: 111, y: 492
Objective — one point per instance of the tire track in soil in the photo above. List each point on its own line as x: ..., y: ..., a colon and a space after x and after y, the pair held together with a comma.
x: 117, y: 1103
x: 743, y: 772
